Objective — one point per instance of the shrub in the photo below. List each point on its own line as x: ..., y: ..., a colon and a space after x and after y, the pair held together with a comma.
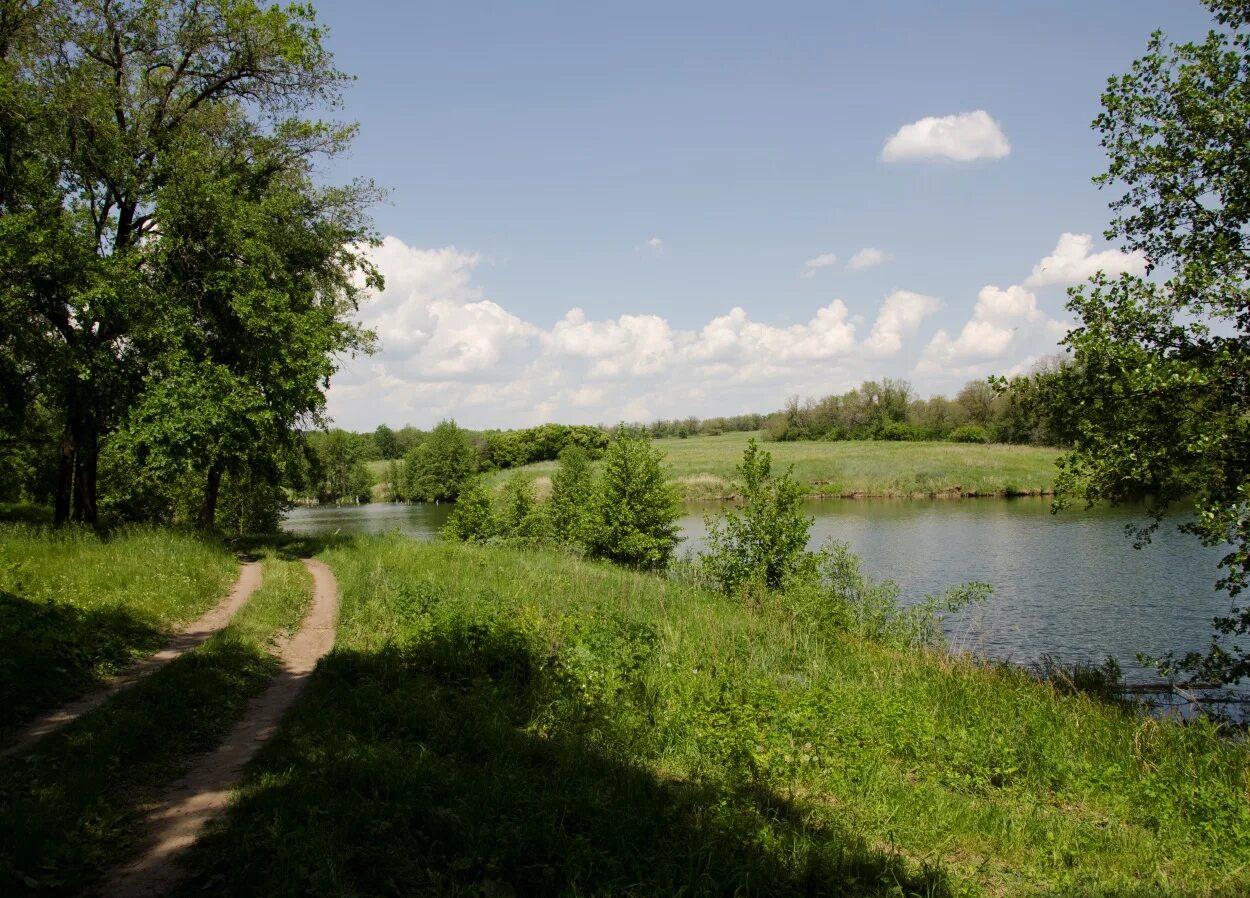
x: 473, y: 519
x: 521, y: 516
x: 633, y: 510
x: 899, y: 431
x: 969, y: 433
x: 437, y: 469
x: 767, y: 541
x: 571, y: 487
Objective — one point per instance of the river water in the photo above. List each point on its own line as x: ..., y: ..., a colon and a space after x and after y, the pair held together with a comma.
x: 1069, y: 585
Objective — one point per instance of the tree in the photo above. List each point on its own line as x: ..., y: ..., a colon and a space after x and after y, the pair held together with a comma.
x: 1159, y: 386
x: 473, y: 519
x: 633, y: 508
x: 436, y: 469
x: 767, y: 542
x: 571, y: 487
x: 121, y: 117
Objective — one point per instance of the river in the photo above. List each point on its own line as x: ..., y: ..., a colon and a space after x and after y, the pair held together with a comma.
x: 1069, y: 585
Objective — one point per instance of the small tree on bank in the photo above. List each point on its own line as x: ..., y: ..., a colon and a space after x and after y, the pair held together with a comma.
x: 767, y: 541
x: 571, y: 488
x: 436, y: 470
x: 633, y: 509
x: 473, y: 519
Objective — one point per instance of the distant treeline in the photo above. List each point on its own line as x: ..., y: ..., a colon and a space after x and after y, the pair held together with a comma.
x: 1006, y: 411
x: 428, y: 466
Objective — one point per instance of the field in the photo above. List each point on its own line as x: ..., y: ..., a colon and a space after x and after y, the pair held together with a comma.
x: 703, y: 467
x: 495, y: 722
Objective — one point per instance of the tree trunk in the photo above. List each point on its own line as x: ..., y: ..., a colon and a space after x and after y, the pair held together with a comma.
x: 212, y: 488
x: 86, y: 460
x: 65, y: 478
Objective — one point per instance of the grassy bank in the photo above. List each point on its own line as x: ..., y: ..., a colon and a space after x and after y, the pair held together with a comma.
x: 496, y: 722
x: 70, y: 808
x: 703, y: 467
x: 75, y: 607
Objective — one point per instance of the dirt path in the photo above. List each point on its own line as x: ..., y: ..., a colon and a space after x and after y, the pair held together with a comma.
x: 177, y: 818
x: 195, y: 633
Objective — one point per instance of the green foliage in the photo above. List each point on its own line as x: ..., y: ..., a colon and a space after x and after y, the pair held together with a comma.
x: 766, y: 543
x: 521, y: 516
x: 437, y: 468
x: 898, y: 431
x: 969, y: 433
x: 633, y: 509
x: 1157, y: 385
x: 338, y: 471
x: 473, y: 519
x: 205, y: 349
x: 572, y: 484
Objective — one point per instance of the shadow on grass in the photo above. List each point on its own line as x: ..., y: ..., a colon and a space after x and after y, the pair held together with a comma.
x: 287, y: 546
x: 70, y: 807
x: 416, y: 771
x: 52, y: 651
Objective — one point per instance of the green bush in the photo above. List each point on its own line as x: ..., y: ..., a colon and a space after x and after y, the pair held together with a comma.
x: 473, y: 519
x: 437, y: 469
x: 969, y: 433
x: 899, y: 431
x: 571, y: 487
x: 767, y: 542
x: 633, y: 509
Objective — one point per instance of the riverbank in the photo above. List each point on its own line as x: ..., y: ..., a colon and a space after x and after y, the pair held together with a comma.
x: 702, y: 468
x: 516, y: 722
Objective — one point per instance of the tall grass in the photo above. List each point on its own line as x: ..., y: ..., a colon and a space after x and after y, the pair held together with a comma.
x: 76, y: 607
x: 497, y: 722
x: 69, y: 809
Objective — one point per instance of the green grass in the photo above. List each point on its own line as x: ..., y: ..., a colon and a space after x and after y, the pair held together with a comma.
x: 70, y: 808
x: 703, y: 467
x: 75, y: 607
x: 498, y: 722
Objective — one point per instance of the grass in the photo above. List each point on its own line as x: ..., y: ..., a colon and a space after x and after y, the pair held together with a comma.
x: 495, y: 722
x: 70, y: 808
x: 703, y: 467
x: 75, y: 608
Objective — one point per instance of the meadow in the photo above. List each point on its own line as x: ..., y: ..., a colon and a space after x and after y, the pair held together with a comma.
x: 702, y: 467
x: 499, y: 721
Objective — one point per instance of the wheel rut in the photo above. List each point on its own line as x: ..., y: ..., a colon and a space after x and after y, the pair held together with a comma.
x: 194, y: 635
x: 175, y: 820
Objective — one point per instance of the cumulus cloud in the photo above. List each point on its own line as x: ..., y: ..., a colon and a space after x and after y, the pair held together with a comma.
x: 996, y: 318
x: 900, y: 317
x: 450, y: 350
x: 811, y: 266
x: 654, y: 246
x: 966, y: 137
x: 867, y: 258
x: 1072, y: 262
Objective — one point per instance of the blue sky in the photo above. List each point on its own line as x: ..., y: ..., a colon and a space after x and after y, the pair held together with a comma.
x: 581, y: 196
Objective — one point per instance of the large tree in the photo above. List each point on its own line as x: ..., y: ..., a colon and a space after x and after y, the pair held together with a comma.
x: 115, y: 115
x: 1158, y: 394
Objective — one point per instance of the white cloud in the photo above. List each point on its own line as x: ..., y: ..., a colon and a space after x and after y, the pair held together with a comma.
x: 1072, y: 262
x: 900, y: 317
x: 654, y: 246
x: 966, y: 137
x: 811, y: 266
x: 867, y: 258
x: 990, y: 332
x: 450, y: 350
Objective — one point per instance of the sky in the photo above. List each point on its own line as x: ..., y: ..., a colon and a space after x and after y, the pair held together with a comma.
x: 651, y: 210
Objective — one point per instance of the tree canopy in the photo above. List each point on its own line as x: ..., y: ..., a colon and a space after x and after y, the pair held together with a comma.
x: 171, y: 274
x: 1158, y: 391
